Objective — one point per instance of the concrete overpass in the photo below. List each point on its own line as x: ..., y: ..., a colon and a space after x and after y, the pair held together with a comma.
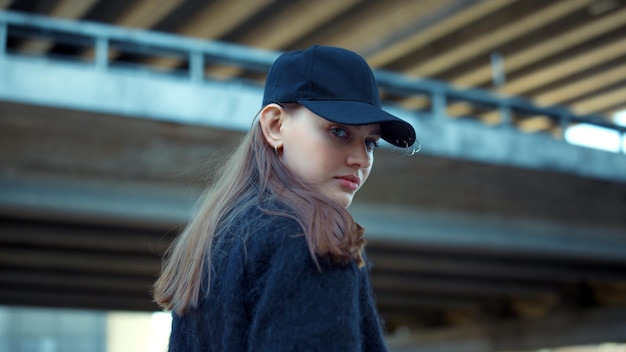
x: 488, y: 239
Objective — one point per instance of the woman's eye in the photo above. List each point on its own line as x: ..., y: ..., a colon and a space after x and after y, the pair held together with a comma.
x: 339, y: 132
x: 371, y: 145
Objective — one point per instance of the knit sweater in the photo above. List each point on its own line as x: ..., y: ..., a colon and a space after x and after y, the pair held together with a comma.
x: 267, y: 294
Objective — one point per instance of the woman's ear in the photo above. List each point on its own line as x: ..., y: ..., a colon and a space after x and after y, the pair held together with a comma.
x: 271, y: 120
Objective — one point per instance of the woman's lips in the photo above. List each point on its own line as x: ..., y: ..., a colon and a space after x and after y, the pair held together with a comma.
x: 350, y: 182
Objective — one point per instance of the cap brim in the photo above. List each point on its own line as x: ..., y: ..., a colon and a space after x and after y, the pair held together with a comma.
x: 394, y: 130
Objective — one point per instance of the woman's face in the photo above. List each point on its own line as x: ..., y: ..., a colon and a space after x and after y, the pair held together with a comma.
x: 334, y: 157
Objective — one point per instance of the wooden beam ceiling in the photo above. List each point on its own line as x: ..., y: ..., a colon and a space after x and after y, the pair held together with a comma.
x: 543, y: 49
x: 67, y: 9
x: 601, y: 101
x: 5, y: 3
x: 276, y: 32
x: 141, y: 14
x: 447, y: 25
x: 510, y: 29
x: 145, y: 14
x: 583, y: 87
x: 213, y: 21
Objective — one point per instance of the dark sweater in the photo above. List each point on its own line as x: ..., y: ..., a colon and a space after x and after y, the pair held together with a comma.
x: 267, y: 294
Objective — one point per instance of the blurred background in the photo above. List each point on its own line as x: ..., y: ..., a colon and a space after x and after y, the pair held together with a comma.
x: 506, y: 232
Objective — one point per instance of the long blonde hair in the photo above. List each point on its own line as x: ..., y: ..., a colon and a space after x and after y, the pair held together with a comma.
x: 252, y: 174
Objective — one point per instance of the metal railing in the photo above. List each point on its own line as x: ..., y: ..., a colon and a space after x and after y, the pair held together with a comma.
x: 197, y: 54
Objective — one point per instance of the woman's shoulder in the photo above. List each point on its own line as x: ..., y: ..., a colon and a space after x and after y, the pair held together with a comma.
x: 257, y: 239
x: 270, y: 228
x: 255, y: 229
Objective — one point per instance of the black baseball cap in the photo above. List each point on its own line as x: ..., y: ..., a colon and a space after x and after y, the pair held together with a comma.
x: 336, y: 84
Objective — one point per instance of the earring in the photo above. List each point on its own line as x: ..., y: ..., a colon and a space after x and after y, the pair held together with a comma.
x: 276, y: 148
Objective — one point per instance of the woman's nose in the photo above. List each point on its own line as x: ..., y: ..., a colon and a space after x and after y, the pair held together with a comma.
x: 360, y: 157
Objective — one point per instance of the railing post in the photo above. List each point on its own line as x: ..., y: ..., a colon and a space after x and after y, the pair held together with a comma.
x: 3, y: 37
x: 196, y: 66
x: 439, y: 104
x: 505, y: 115
x: 102, y: 53
x: 564, y: 123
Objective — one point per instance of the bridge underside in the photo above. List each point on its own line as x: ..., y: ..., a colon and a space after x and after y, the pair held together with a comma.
x: 466, y: 254
x: 488, y: 239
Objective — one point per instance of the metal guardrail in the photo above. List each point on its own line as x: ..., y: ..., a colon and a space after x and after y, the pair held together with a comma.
x: 198, y: 53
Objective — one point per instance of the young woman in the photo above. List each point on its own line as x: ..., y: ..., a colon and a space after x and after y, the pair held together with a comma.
x: 273, y: 261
